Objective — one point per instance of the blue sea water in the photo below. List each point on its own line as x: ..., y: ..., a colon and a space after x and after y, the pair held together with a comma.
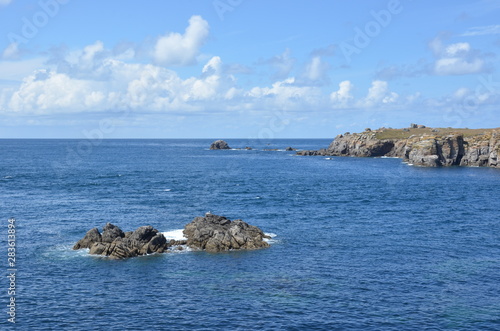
x: 361, y: 243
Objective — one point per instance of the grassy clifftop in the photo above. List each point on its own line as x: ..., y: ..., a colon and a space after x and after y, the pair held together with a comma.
x: 436, y: 132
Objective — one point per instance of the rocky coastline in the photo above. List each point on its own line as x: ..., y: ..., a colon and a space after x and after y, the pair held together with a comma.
x: 211, y: 233
x: 420, y: 146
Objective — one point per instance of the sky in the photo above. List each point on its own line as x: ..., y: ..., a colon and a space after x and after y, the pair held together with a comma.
x: 245, y: 68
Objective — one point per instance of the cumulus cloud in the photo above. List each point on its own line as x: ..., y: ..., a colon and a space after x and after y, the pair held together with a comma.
x: 181, y: 49
x: 449, y: 59
x: 456, y: 59
x: 44, y: 91
x: 343, y: 96
x: 379, y: 94
x: 116, y: 85
x: 286, y: 95
x: 315, y: 72
x: 96, y: 79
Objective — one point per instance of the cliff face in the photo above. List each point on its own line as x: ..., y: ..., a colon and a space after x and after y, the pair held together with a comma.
x: 428, y: 149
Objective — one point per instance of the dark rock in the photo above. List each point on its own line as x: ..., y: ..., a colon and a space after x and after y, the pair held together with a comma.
x: 173, y: 242
x: 120, y: 250
x: 141, y: 236
x: 219, y: 144
x: 92, y: 236
x: 157, y: 244
x: 248, y: 148
x: 420, y: 126
x: 119, y: 245
x: 413, y: 126
x: 98, y: 248
x: 289, y: 149
x: 110, y: 232
x: 216, y: 233
x: 320, y: 152
x: 212, y: 233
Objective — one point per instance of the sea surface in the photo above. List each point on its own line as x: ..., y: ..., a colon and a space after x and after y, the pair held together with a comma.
x: 360, y: 243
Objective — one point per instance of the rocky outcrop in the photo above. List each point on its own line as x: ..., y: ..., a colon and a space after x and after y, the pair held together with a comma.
x: 211, y: 233
x: 116, y: 244
x: 481, y: 151
x: 219, y: 144
x: 92, y: 236
x: 431, y: 148
x: 216, y: 233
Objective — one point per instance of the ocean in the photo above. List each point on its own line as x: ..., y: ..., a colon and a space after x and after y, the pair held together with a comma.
x: 358, y: 243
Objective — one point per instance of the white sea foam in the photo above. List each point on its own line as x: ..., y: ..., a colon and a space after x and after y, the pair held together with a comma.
x: 174, y: 234
x: 179, y: 249
x: 7, y: 177
x: 272, y: 240
x: 167, y: 190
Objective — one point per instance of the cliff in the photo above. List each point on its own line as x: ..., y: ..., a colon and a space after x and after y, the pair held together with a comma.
x: 421, y: 146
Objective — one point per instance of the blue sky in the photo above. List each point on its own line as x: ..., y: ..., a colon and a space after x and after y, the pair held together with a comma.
x: 245, y: 69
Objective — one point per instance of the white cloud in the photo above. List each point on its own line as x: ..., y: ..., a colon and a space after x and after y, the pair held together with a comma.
x: 180, y: 50
x: 482, y: 30
x: 379, y: 94
x: 458, y: 66
x: 457, y: 49
x: 11, y: 51
x: 91, y: 51
x: 139, y: 87
x: 285, y: 94
x: 456, y: 59
x: 45, y: 90
x: 5, y: 2
x: 343, y: 95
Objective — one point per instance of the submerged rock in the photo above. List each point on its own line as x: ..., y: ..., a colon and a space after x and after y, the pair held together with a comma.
x: 215, y: 233
x: 219, y: 144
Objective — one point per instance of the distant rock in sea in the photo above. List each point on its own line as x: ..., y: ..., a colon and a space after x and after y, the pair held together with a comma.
x: 219, y: 144
x: 421, y: 146
x: 211, y: 233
